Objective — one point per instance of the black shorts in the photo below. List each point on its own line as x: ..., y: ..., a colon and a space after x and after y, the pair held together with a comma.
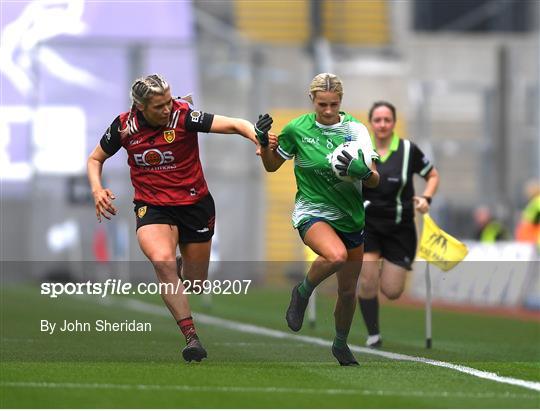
x: 395, y: 242
x: 195, y: 222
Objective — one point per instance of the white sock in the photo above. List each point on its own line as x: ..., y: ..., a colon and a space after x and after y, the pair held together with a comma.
x: 373, y: 339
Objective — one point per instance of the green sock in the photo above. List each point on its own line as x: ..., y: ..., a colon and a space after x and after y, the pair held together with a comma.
x: 305, y: 289
x: 340, y: 341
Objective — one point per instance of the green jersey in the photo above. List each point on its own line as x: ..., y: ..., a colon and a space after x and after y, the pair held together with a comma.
x: 320, y: 193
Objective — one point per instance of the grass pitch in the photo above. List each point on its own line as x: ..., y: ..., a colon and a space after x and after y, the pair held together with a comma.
x: 248, y: 370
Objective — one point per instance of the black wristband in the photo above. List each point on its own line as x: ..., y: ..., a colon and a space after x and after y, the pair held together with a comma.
x: 428, y: 199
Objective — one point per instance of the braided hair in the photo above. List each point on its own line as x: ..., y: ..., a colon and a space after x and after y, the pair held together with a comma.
x: 142, y: 90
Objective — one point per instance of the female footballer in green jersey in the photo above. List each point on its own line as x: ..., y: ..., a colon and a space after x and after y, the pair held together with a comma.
x: 329, y: 212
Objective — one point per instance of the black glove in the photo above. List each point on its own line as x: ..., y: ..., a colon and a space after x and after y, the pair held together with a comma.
x: 354, y: 167
x: 262, y: 128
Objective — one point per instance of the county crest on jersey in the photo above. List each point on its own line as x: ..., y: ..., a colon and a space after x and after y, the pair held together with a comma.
x: 320, y: 193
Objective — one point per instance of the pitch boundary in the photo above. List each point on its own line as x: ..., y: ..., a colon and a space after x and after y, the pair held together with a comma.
x: 263, y: 390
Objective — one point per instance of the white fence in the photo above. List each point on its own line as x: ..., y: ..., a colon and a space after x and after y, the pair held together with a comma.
x: 503, y: 274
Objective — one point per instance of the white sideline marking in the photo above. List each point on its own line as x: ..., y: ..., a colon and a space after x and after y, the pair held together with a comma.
x: 250, y: 344
x: 254, y: 329
x: 279, y: 390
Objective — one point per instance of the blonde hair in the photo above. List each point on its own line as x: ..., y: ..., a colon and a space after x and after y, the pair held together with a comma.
x: 142, y: 90
x: 145, y: 88
x: 326, y: 82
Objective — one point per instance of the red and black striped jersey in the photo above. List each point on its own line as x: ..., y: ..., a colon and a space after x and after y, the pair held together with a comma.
x: 164, y: 162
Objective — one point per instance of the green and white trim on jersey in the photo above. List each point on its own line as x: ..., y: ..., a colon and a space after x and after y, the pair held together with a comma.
x: 394, y: 145
x: 320, y: 193
x: 404, y: 171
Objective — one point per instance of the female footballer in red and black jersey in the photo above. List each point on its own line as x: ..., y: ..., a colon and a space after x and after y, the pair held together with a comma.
x: 390, y: 245
x: 173, y: 206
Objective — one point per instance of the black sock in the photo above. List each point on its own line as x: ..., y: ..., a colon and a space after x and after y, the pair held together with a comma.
x: 370, y: 311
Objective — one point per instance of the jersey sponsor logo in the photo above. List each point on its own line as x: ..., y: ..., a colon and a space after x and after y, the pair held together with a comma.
x: 310, y: 140
x: 203, y: 230
x: 153, y: 157
x: 133, y: 142
x: 141, y: 211
x: 196, y: 116
x: 327, y: 174
x: 169, y: 136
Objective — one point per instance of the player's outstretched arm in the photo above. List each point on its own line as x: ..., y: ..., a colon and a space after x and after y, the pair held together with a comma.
x: 102, y: 196
x: 230, y: 125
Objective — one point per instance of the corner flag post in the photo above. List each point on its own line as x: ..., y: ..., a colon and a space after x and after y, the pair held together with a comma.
x: 442, y: 250
x: 428, y: 306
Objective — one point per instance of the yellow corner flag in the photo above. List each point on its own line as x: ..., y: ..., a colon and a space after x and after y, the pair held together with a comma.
x: 440, y: 248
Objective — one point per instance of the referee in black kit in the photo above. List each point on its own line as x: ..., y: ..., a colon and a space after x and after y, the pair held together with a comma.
x: 391, y: 240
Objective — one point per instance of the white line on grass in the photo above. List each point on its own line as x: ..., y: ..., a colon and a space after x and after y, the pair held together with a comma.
x: 141, y: 306
x: 273, y: 390
x: 253, y: 344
